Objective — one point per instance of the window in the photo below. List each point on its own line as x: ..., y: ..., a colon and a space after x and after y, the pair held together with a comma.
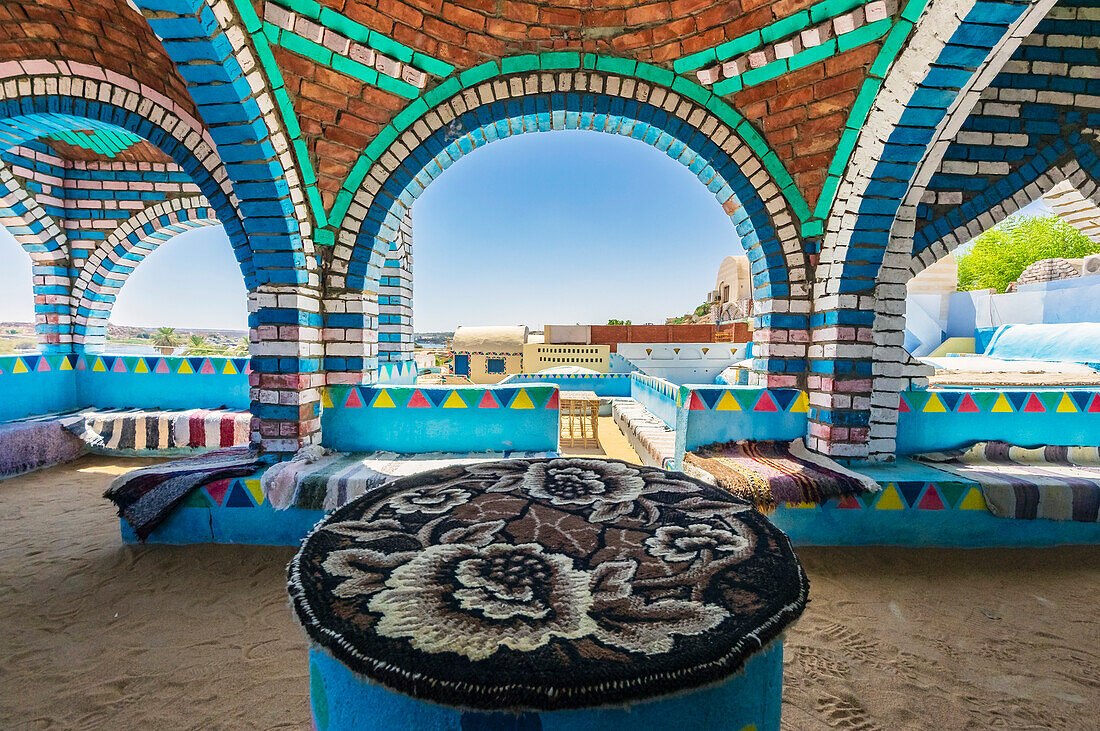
x: 462, y: 365
x: 725, y: 293
x: 494, y: 366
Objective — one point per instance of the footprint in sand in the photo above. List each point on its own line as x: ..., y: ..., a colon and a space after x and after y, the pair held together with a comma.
x: 844, y: 713
x: 851, y: 641
x: 815, y: 663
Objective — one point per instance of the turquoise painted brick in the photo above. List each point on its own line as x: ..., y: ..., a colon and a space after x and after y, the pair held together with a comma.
x: 695, y: 61
x: 390, y: 47
x: 432, y: 65
x: 913, y: 10
x: 863, y: 35
x: 316, y: 205
x: 890, y: 48
x: 302, y: 153
x: 813, y: 227
x: 519, y: 64
x: 267, y: 60
x: 589, y: 61
x: 752, y: 138
x: 409, y: 114
x: 828, y: 190
x: 767, y: 72
x: 725, y: 112
x: 812, y: 55
x: 832, y: 8
x: 728, y: 86
x: 290, y: 119
x: 305, y: 47
x: 355, y: 69
x: 740, y: 45
x: 655, y: 74
x: 477, y: 74
x: 271, y: 32
x: 616, y: 65
x: 785, y: 27
x: 560, y: 60
x: 397, y: 86
x: 862, y: 106
x: 691, y: 90
x: 345, y: 26
x: 447, y: 89
x: 843, y: 152
x: 252, y: 22
x: 306, y: 7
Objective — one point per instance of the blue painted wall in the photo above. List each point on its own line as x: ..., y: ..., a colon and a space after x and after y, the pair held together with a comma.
x: 26, y: 389
x: 440, y: 418
x: 709, y: 414
x: 656, y: 394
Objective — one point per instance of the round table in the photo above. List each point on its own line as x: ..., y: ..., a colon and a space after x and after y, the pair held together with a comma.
x: 546, y: 594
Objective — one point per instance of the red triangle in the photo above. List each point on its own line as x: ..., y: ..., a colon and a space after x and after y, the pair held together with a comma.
x: 931, y: 500
x: 696, y: 403
x: 487, y: 401
x: 1094, y: 407
x: 766, y: 403
x: 551, y: 403
x: 967, y: 405
x: 848, y: 502
x: 418, y: 401
x: 903, y: 407
x: 217, y: 490
x: 1033, y: 405
x: 353, y: 401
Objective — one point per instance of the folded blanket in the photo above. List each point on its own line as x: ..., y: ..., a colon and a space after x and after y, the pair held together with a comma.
x: 319, y: 480
x: 768, y: 473
x: 154, y: 430
x: 1051, y: 483
x: 145, y: 497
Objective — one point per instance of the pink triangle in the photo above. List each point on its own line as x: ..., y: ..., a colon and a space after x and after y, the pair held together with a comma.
x: 849, y: 502
x: 766, y: 403
x: 903, y: 407
x: 43, y: 365
x: 217, y: 490
x: 487, y: 401
x: 931, y: 500
x: 207, y: 367
x: 162, y: 366
x: 81, y: 364
x: 119, y: 366
x: 353, y: 401
x: 967, y: 405
x: 1094, y: 407
x: 1033, y: 405
x: 418, y: 401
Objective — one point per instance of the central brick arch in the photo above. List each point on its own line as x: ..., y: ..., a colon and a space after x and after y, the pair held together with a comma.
x: 708, y: 145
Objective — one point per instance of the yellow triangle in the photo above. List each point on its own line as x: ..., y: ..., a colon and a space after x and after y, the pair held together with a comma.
x: 229, y: 366
x: 801, y: 506
x: 1001, y: 406
x: 256, y: 490
x: 801, y: 404
x: 65, y: 364
x: 384, y: 400
x: 1066, y: 405
x: 326, y: 399
x: 727, y: 403
x: 185, y: 367
x: 522, y: 401
x: 973, y: 500
x: 20, y: 366
x: 890, y: 499
x: 141, y: 367
x: 99, y: 367
x: 454, y: 401
x: 934, y: 405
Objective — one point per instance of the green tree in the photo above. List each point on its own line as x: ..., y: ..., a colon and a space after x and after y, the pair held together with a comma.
x: 166, y: 337
x: 999, y: 255
x: 619, y: 322
x: 196, y: 341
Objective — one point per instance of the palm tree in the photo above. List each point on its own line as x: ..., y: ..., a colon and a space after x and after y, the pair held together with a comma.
x: 196, y: 341
x: 166, y: 339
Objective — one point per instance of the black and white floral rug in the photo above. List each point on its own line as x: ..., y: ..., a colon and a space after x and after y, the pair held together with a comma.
x: 546, y: 584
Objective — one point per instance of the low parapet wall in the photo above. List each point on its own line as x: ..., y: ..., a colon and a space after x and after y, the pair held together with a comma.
x: 656, y: 394
x: 938, y: 419
x: 603, y: 384
x: 440, y: 418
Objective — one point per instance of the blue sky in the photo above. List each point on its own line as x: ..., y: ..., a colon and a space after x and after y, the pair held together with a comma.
x: 542, y: 228
x: 558, y: 227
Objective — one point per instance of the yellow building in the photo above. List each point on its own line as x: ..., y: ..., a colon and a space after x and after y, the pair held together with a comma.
x: 540, y: 356
x: 488, y: 354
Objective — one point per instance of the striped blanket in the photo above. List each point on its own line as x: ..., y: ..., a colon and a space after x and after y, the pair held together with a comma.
x: 142, y: 430
x: 1050, y: 483
x: 316, y: 480
x: 768, y: 473
x: 146, y: 496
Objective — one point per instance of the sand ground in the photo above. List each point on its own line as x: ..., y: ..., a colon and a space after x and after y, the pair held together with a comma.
x: 95, y: 634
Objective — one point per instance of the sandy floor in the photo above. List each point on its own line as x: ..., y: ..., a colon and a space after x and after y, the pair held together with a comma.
x: 94, y: 634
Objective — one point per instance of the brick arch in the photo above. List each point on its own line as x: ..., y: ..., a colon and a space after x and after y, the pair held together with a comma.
x: 860, y: 363
x: 1068, y: 167
x: 108, y: 269
x: 47, y: 99
x: 608, y: 103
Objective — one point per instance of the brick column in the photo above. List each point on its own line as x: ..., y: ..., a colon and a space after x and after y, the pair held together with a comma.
x: 286, y: 379
x: 395, y: 330
x: 351, y: 337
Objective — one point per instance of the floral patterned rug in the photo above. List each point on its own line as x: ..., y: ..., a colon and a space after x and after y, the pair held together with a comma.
x: 546, y: 584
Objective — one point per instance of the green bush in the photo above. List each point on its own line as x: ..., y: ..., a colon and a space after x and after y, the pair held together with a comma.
x: 1002, y: 253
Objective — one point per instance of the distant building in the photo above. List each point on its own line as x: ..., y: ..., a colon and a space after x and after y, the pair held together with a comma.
x: 732, y: 295
x: 540, y: 356
x: 488, y: 354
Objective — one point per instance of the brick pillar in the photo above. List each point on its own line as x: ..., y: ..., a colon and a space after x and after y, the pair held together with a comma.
x: 53, y: 310
x: 779, y: 341
x: 351, y: 337
x: 286, y: 379
x: 395, y: 330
